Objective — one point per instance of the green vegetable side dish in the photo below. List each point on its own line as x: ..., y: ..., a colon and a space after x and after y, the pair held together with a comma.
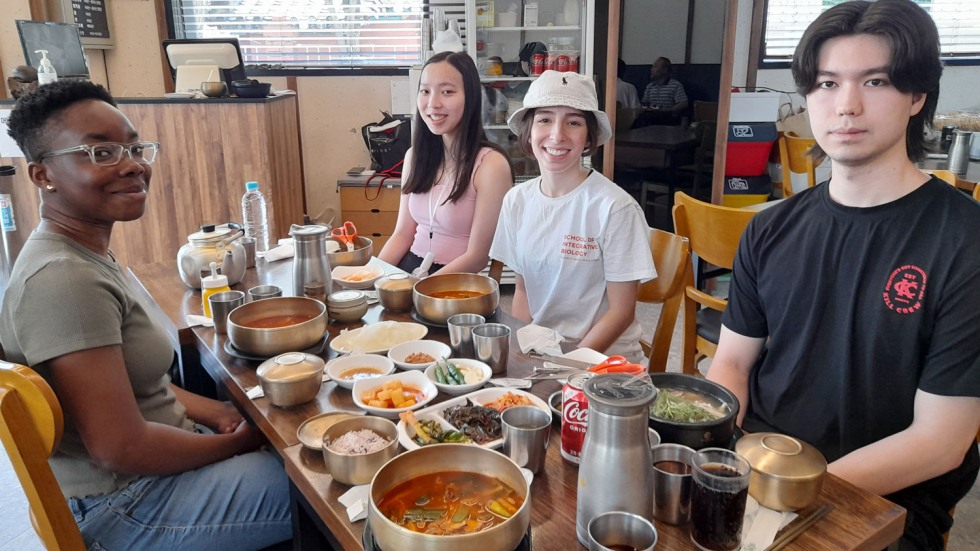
x: 440, y: 375
x: 447, y: 373
x: 454, y: 373
x: 670, y: 407
x: 440, y: 435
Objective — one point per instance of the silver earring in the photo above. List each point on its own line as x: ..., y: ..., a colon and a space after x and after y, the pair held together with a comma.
x: 49, y: 187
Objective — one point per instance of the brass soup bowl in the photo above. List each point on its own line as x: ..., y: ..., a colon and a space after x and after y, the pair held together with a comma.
x: 359, y: 468
x: 449, y: 457
x: 363, y: 248
x: 787, y: 473
x: 438, y: 310
x: 276, y: 340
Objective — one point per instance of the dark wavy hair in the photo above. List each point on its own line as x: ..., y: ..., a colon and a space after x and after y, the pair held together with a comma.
x: 428, y: 153
x: 914, y: 68
x: 35, y: 115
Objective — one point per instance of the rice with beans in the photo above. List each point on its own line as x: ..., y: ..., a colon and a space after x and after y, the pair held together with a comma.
x: 358, y: 442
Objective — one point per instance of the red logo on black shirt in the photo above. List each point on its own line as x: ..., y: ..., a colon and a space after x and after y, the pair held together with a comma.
x: 905, y: 289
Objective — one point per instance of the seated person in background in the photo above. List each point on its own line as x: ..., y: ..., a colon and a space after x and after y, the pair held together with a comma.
x: 454, y: 179
x: 625, y: 92
x: 853, y: 319
x: 143, y: 463
x: 664, y: 98
x: 576, y: 241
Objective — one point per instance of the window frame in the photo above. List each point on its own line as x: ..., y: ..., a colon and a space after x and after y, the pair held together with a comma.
x: 297, y: 71
x: 784, y: 62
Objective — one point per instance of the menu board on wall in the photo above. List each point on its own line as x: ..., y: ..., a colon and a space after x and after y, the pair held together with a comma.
x: 92, y: 18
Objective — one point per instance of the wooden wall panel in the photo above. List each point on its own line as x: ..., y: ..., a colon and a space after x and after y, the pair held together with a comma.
x: 209, y: 149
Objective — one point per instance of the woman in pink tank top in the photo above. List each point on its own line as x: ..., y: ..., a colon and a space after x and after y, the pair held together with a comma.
x: 454, y: 178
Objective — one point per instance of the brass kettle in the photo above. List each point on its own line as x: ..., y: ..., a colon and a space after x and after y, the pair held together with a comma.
x: 212, y: 244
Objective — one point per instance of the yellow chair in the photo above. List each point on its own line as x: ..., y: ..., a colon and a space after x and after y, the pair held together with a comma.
x: 793, y: 156
x: 947, y: 176
x: 976, y: 197
x: 31, y: 430
x: 671, y: 255
x: 714, y: 232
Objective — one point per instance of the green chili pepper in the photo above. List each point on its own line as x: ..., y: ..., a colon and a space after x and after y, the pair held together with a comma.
x: 440, y: 375
x: 454, y: 373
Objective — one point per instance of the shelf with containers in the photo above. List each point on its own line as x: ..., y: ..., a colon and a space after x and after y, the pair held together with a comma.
x: 498, y: 30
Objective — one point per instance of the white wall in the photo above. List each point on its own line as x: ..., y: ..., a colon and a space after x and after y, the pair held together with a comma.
x: 655, y: 28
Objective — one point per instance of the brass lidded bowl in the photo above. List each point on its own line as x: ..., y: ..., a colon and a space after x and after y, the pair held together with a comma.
x: 438, y: 310
x: 354, y: 469
x: 787, y: 473
x: 276, y: 340
x: 395, y: 292
x: 291, y: 379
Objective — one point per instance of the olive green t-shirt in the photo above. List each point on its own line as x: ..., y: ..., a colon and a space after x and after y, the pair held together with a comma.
x: 63, y: 298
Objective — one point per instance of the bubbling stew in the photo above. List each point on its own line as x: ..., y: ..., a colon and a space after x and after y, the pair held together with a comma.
x: 450, y: 502
x: 279, y: 320
x: 456, y: 295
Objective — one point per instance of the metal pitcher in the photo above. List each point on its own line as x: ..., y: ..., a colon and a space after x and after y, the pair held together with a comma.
x: 310, y: 257
x: 616, y: 471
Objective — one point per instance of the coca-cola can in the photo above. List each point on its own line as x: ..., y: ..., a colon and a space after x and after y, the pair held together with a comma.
x: 574, y: 416
x: 573, y: 63
x: 562, y: 64
x: 537, y: 64
x: 550, y: 61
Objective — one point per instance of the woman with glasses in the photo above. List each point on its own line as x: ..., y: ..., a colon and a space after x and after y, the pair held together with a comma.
x: 143, y: 463
x: 454, y: 178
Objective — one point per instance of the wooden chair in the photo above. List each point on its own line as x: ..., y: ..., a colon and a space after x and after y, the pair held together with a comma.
x: 793, y: 157
x: 976, y: 197
x: 31, y: 430
x: 496, y: 270
x: 714, y: 232
x: 947, y: 176
x: 704, y: 154
x: 706, y: 111
x: 672, y: 256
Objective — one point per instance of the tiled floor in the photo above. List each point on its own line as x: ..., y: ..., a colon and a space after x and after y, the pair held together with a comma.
x: 16, y: 533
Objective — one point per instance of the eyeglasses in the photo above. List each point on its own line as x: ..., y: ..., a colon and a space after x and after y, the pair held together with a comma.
x: 109, y: 153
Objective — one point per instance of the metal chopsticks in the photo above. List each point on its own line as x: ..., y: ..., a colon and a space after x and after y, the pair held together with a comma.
x: 807, y: 521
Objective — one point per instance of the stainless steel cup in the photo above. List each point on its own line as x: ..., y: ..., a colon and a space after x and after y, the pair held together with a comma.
x: 260, y: 292
x: 221, y: 305
x: 621, y: 530
x: 461, y: 333
x: 491, y: 343
x: 526, y: 431
x: 248, y: 243
x: 958, y: 160
x: 672, y: 483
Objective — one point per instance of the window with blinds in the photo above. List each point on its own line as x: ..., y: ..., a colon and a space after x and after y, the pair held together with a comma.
x: 308, y: 34
x: 958, y: 22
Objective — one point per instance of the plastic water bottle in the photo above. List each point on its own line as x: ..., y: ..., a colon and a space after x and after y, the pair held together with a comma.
x: 255, y: 217
x: 45, y: 71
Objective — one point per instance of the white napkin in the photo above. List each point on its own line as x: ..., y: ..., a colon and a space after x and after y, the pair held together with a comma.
x: 193, y: 320
x: 760, y: 525
x: 279, y: 253
x: 542, y: 340
x: 510, y: 382
x: 354, y: 499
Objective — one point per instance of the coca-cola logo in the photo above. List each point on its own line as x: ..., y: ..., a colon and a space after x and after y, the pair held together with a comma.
x: 573, y: 412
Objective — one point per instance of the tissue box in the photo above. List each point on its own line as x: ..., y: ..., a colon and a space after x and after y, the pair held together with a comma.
x: 742, y: 191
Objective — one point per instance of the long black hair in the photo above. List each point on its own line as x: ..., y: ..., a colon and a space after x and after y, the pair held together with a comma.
x: 427, y: 148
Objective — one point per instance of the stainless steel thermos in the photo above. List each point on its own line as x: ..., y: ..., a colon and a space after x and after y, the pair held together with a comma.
x: 310, y: 256
x: 959, y: 152
x: 616, y: 469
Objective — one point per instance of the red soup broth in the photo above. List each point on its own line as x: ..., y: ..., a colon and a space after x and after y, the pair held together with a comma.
x: 450, y: 502
x: 280, y: 320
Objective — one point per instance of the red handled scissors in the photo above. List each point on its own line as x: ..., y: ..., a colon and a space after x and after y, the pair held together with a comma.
x: 346, y: 234
x: 617, y: 364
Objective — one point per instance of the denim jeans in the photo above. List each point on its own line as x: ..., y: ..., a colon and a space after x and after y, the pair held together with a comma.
x: 239, y: 503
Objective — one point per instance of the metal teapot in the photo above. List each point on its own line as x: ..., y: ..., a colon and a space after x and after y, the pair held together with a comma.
x: 212, y: 244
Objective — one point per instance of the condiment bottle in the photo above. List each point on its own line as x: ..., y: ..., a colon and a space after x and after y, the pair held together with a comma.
x: 214, y: 283
x: 616, y: 469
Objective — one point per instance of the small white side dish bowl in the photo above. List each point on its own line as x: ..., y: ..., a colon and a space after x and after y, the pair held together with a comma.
x: 370, y: 274
x: 435, y: 349
x: 412, y: 379
x: 482, y: 369
x: 337, y: 367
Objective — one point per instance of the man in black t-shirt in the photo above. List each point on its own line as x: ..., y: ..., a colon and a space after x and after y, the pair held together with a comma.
x: 854, y: 313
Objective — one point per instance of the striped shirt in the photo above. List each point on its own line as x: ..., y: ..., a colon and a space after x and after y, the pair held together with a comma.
x: 664, y: 95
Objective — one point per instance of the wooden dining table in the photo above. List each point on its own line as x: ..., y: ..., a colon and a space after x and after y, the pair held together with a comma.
x: 859, y: 520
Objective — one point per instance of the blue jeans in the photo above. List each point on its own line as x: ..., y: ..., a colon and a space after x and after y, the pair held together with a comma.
x: 239, y: 503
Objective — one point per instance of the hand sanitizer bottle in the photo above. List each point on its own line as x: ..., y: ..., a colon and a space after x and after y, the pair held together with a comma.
x: 45, y: 71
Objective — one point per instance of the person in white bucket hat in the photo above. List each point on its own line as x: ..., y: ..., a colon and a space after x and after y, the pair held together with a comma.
x: 576, y: 241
